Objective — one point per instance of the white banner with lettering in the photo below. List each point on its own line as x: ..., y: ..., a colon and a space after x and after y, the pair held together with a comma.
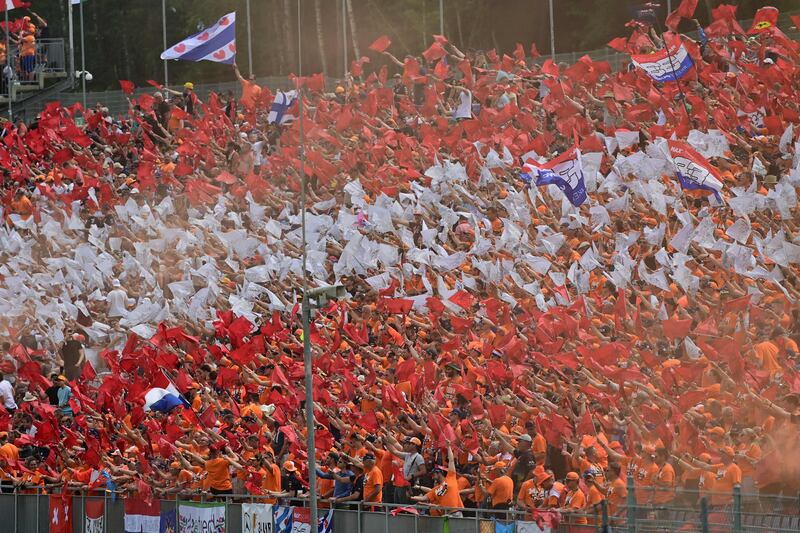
x: 257, y: 518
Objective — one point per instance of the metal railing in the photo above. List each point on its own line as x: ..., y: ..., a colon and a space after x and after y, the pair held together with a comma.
x: 30, y: 72
x: 685, y: 510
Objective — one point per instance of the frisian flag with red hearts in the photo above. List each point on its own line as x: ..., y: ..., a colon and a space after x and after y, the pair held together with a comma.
x: 217, y: 43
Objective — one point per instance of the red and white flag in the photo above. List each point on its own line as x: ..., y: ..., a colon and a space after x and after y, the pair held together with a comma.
x: 8, y: 5
x: 95, y: 513
x: 60, y: 514
x: 141, y: 517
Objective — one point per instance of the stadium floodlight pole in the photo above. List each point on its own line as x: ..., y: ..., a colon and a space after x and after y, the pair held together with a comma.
x: 552, y: 34
x: 306, y: 305
x: 249, y: 40
x: 164, y: 34
x: 344, y: 39
x: 71, y: 41
x: 83, y: 58
x: 441, y: 17
x: 7, y: 71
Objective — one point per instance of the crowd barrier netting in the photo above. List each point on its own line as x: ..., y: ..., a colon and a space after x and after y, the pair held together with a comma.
x: 687, y: 511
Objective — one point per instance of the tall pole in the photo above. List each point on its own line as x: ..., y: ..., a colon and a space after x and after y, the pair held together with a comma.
x: 552, y: 34
x: 669, y: 7
x: 7, y: 71
x: 83, y: 59
x: 311, y: 441
x: 441, y: 17
x: 71, y: 41
x: 344, y: 39
x: 164, y: 33
x: 249, y: 40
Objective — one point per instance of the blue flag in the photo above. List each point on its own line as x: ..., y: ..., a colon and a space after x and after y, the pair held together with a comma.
x: 169, y: 522
x: 217, y: 43
x: 565, y: 172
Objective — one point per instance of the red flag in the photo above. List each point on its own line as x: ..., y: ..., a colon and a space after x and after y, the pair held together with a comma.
x: 685, y: 10
x: 585, y: 425
x: 88, y: 373
x: 127, y: 86
x: 676, y: 329
x: 208, y: 418
x: 60, y: 513
x: 737, y: 304
x: 462, y: 299
x: 381, y: 44
x: 764, y: 19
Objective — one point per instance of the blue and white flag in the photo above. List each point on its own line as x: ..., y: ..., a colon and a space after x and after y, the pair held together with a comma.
x: 164, y: 400
x: 278, y: 112
x: 325, y: 523
x: 693, y: 170
x: 565, y: 172
x: 217, y: 43
x: 283, y: 518
x: 668, y: 64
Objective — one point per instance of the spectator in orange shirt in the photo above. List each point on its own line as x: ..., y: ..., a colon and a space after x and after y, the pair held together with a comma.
x: 728, y: 475
x: 575, y: 502
x: 501, y: 489
x: 664, y: 479
x: 373, y: 482
x: 616, y: 494
x: 445, y: 492
x: 594, y: 496
x: 21, y: 205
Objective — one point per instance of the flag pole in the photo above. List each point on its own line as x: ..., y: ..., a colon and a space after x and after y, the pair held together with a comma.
x: 344, y: 39
x: 164, y: 33
x: 249, y: 40
x: 7, y: 71
x: 306, y: 305
x: 552, y: 34
x: 672, y: 67
x: 441, y: 17
x: 71, y: 41
x: 83, y: 59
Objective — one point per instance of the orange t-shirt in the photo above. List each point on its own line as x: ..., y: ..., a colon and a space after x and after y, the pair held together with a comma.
x: 219, y: 477
x: 664, y: 484
x: 527, y: 495
x: 251, y: 92
x: 576, y: 499
x: 271, y: 481
x: 374, y: 479
x: 28, y: 46
x: 617, y: 496
x: 501, y: 490
x: 727, y: 477
x: 446, y: 495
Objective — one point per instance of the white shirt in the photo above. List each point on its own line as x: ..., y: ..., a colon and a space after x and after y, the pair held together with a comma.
x: 7, y: 394
x: 117, y: 301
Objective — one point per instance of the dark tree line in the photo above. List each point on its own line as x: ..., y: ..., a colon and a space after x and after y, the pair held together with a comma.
x: 124, y: 38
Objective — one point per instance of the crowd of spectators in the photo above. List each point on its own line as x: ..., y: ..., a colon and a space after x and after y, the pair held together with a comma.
x: 499, y: 347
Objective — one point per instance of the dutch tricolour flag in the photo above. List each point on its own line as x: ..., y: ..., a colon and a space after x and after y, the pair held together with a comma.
x: 217, y: 43
x: 668, y: 64
x: 164, y: 400
x: 278, y: 112
x: 565, y: 172
x: 694, y: 172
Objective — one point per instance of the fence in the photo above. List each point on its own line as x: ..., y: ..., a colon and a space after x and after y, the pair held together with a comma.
x: 30, y: 74
x: 688, y: 511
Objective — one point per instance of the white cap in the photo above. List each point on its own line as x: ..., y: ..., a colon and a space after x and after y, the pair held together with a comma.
x: 769, y: 61
x: 115, y: 282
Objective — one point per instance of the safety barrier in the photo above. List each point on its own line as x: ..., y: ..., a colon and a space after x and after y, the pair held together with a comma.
x: 689, y: 511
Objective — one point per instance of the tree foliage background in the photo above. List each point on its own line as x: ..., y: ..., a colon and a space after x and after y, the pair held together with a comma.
x: 124, y: 37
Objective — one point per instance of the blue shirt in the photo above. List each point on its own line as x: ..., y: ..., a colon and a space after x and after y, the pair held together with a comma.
x: 340, y: 488
x: 64, y: 395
